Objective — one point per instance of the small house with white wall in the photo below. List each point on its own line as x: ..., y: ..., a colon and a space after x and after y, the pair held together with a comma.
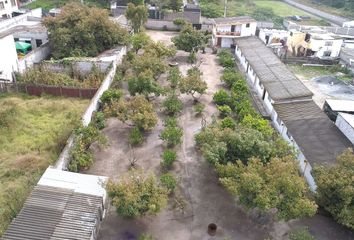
x: 334, y: 106
x: 345, y: 123
x: 270, y: 36
x: 8, y: 58
x: 7, y: 7
x: 225, y: 30
x: 289, y: 103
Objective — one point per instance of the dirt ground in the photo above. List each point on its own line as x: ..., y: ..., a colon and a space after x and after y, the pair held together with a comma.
x: 200, y: 199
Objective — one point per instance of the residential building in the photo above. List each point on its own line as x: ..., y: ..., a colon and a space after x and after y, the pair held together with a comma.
x: 225, y: 30
x: 345, y: 123
x: 320, y: 45
x: 7, y: 7
x: 289, y: 103
x: 333, y: 106
x: 8, y: 58
x: 270, y: 36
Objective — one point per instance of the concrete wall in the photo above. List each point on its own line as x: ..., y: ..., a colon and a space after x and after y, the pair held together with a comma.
x: 32, y: 36
x: 155, y: 24
x: 226, y: 42
x: 64, y: 158
x: 81, y: 66
x: 248, y: 31
x: 273, y: 34
x: 36, y: 56
x: 319, y: 46
x: 345, y: 127
x: 8, y: 58
x: 9, y: 23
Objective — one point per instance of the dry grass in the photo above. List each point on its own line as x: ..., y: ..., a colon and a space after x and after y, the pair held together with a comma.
x: 33, y: 131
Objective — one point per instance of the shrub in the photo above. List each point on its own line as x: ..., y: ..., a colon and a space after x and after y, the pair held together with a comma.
x: 230, y: 76
x: 199, y: 108
x: 226, y: 59
x: 221, y: 97
x: 99, y: 120
x: 172, y: 135
x: 224, y: 111
x: 301, y: 234
x: 145, y: 237
x: 192, y: 57
x: 135, y: 136
x: 179, y: 21
x: 136, y: 195
x: 172, y: 104
x: 110, y: 96
x: 174, y: 77
x: 228, y: 122
x: 168, y: 181
x: 168, y: 157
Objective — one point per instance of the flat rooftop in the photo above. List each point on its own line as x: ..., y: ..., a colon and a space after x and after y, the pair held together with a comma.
x: 349, y: 118
x: 227, y: 20
x: 317, y: 136
x: 278, y: 80
x: 341, y: 105
x: 34, y: 27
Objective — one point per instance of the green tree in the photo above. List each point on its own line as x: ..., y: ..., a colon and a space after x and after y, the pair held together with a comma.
x: 193, y: 83
x: 221, y: 97
x: 159, y: 49
x: 276, y: 185
x: 335, y: 188
x: 136, y: 195
x: 175, y: 5
x: 259, y: 124
x: 144, y: 84
x: 230, y: 76
x: 83, y: 31
x: 138, y: 110
x: 150, y: 62
x: 172, y: 104
x: 190, y: 39
x: 137, y: 16
x: 174, y: 77
x: 172, y: 134
x: 140, y: 40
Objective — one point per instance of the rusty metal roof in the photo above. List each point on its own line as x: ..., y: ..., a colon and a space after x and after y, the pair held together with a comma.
x: 317, y: 136
x: 56, y: 214
x: 278, y: 80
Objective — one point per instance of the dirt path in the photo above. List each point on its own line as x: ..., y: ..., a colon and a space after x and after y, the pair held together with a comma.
x: 205, y: 200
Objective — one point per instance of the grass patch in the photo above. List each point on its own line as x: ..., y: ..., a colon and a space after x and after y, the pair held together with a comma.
x: 49, y: 4
x: 325, y: 8
x: 281, y: 9
x: 33, y: 131
x: 309, y: 72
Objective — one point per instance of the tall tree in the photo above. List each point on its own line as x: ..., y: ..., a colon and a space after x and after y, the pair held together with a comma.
x: 144, y: 84
x: 335, y: 188
x: 137, y: 15
x: 193, y: 83
x: 80, y: 30
x: 276, y: 185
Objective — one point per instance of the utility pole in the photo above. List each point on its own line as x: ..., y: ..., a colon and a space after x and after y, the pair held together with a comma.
x: 225, y: 8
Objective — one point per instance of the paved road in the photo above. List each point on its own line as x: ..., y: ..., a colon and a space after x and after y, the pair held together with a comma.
x: 329, y: 17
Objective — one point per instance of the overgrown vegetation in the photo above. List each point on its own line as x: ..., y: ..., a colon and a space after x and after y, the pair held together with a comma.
x: 301, y: 234
x: 335, y: 188
x: 49, y: 4
x: 44, y: 76
x: 82, y: 31
x: 33, y: 132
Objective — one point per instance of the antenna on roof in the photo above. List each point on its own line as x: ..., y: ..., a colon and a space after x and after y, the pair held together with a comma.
x: 225, y: 8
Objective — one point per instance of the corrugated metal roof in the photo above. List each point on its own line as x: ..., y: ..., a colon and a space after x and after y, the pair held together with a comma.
x: 278, y: 80
x: 56, y: 214
x: 318, y: 138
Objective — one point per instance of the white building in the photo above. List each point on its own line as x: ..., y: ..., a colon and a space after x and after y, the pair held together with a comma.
x: 325, y: 45
x: 348, y: 24
x: 345, y: 123
x: 7, y: 7
x: 289, y: 103
x: 269, y: 36
x: 225, y: 30
x: 8, y: 58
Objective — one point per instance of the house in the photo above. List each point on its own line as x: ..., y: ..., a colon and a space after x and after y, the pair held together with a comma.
x: 7, y: 7
x: 320, y: 45
x: 63, y: 205
x: 225, y: 30
x: 332, y: 107
x: 289, y: 103
x: 270, y: 36
x: 23, y: 43
x: 8, y: 58
x: 345, y: 123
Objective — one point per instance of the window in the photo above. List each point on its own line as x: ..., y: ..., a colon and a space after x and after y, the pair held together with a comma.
x: 2, y: 5
x: 39, y: 42
x: 247, y: 25
x: 13, y: 3
x: 328, y: 44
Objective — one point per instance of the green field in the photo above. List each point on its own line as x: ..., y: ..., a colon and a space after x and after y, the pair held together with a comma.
x: 49, y: 4
x: 281, y: 9
x: 33, y: 132
x: 309, y: 72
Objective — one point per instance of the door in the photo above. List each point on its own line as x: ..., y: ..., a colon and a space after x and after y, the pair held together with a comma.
x: 218, y: 41
x: 233, y: 28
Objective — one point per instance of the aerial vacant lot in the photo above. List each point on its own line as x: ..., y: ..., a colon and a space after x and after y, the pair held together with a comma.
x: 33, y: 131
